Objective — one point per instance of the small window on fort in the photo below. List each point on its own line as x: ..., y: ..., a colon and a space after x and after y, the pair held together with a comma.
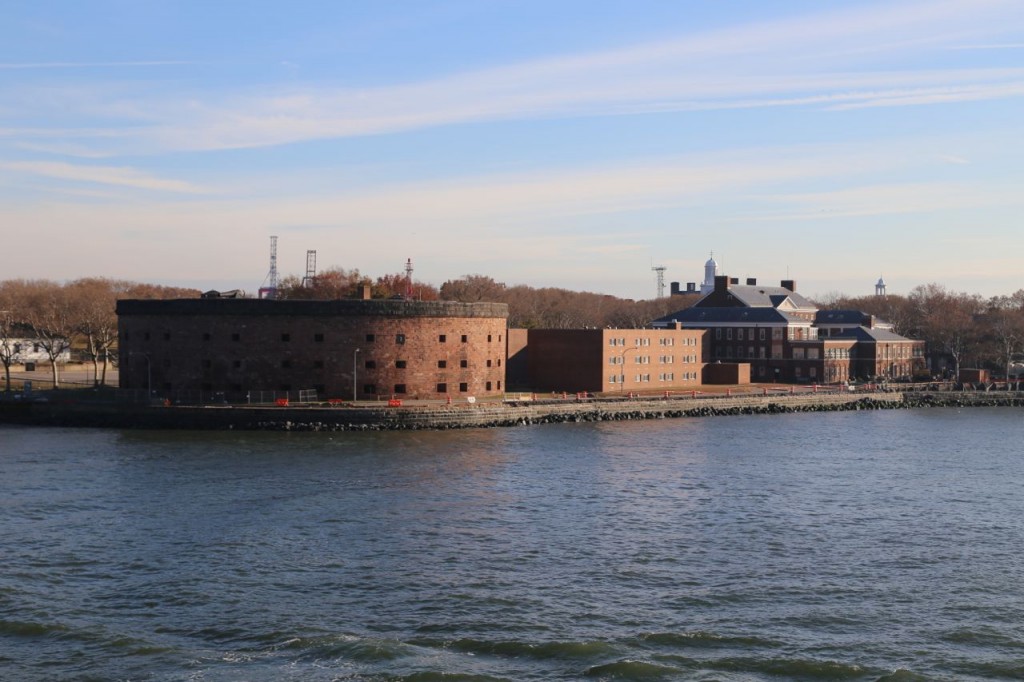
x: 487, y: 386
x: 488, y: 363
x: 206, y: 336
x: 400, y: 364
x: 499, y: 362
x: 236, y: 337
x: 463, y: 363
x: 499, y: 385
x: 465, y: 338
x: 286, y: 364
x: 167, y: 336
x: 318, y: 364
x: 370, y: 389
x: 399, y: 389
x: 442, y: 388
x: 499, y: 338
x: 488, y: 338
x: 237, y: 364
x: 286, y: 337
x: 370, y: 338
x: 441, y: 364
x: 370, y: 364
x: 399, y: 338
x: 319, y: 338
x: 463, y: 387
x: 442, y: 338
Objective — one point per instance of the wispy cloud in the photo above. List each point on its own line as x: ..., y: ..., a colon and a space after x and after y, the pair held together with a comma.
x: 827, y: 60
x: 102, y: 175
x: 16, y: 66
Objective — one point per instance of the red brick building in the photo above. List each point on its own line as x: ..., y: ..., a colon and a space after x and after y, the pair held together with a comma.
x: 340, y: 348
x: 609, y: 360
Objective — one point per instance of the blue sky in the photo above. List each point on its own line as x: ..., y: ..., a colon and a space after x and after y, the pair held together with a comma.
x: 570, y: 144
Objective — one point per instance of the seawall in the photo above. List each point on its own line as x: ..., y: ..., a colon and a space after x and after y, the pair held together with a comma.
x: 303, y: 418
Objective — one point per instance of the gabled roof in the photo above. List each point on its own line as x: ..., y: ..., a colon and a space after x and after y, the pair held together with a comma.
x: 758, y: 315
x: 754, y: 296
x: 869, y: 335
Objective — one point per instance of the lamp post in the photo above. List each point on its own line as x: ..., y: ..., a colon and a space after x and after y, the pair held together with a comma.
x: 355, y: 369
x: 622, y: 366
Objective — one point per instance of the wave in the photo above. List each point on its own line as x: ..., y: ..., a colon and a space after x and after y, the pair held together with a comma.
x: 704, y: 640
x: 789, y: 668
x: 633, y: 670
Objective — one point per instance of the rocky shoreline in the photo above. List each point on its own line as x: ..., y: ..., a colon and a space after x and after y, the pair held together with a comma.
x: 332, y: 419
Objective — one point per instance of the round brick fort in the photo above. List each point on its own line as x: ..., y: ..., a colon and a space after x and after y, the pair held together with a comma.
x: 342, y: 349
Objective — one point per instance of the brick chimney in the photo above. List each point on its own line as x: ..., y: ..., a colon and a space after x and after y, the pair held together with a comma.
x: 721, y: 283
x: 789, y: 284
x: 751, y: 281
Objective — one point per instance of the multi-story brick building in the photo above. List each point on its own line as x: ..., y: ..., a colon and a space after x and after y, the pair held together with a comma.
x: 785, y: 337
x: 341, y: 348
x: 610, y: 360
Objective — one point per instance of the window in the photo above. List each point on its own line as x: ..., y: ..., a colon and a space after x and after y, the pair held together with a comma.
x: 441, y: 364
x: 488, y: 363
x: 370, y: 338
x: 728, y: 334
x: 442, y: 338
x: 488, y: 338
x: 465, y: 338
x: 206, y: 336
x: 761, y: 334
x: 399, y: 389
x: 499, y: 383
x: 318, y: 338
x: 463, y: 387
x: 285, y: 364
x: 237, y: 364
x: 370, y: 389
x: 399, y: 338
x: 463, y: 363
x: 236, y: 337
x: 400, y: 364
x: 499, y: 362
x: 286, y: 337
x: 718, y: 333
x: 370, y: 364
x: 318, y: 364
x: 487, y: 386
x: 442, y: 388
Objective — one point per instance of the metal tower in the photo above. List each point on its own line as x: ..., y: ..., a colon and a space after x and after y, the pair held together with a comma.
x: 310, y: 277
x: 408, y: 278
x: 269, y: 290
x: 660, y: 269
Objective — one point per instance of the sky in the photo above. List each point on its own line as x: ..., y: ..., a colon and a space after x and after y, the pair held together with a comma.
x: 566, y: 143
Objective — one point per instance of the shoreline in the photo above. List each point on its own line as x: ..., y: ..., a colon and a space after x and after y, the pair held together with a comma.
x: 332, y: 419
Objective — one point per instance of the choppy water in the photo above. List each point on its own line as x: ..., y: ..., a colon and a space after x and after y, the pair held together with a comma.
x: 844, y: 546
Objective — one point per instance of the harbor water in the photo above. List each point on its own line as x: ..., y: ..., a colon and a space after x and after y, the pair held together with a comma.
x: 882, y: 545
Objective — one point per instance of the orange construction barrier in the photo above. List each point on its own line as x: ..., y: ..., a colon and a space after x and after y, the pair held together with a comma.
x: 281, y: 402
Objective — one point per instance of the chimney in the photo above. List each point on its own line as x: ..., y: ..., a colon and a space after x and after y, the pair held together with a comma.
x: 751, y: 281
x: 691, y: 287
x: 675, y: 289
x: 721, y: 283
x: 734, y: 280
x: 789, y: 284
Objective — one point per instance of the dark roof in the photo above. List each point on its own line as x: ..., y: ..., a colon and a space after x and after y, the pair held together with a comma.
x: 695, y: 315
x: 765, y: 297
x: 867, y: 334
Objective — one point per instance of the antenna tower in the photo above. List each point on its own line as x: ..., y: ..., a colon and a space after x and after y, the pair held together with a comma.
x: 310, y: 277
x: 660, y: 270
x: 408, y: 278
x: 270, y: 290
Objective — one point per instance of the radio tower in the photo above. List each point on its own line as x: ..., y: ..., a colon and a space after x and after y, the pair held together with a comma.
x: 308, y: 280
x: 270, y: 288
x: 660, y: 269
x: 408, y: 278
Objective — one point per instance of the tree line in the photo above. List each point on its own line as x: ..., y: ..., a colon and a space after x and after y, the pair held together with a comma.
x: 960, y: 329
x: 56, y: 316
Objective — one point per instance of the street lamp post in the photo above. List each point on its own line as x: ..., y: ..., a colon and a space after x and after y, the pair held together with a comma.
x: 622, y: 366
x: 355, y: 366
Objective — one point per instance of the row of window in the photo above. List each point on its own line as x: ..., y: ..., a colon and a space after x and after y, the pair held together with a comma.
x: 646, y: 341
x: 646, y: 378
x: 319, y: 364
x: 646, y: 359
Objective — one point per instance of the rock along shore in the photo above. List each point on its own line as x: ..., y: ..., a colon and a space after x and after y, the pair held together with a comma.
x: 315, y: 418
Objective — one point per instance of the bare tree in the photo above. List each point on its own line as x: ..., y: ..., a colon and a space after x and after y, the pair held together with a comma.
x: 49, y: 312
x: 9, y: 328
x: 94, y: 303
